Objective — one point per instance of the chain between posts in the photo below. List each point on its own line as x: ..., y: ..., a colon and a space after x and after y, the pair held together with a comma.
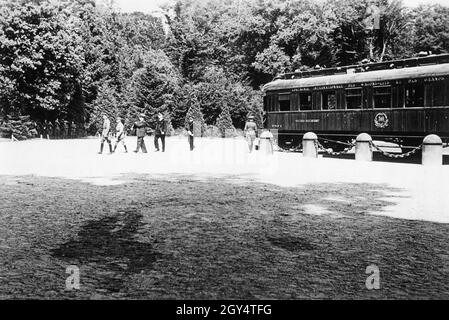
x: 396, y: 156
x: 339, y: 142
x: 319, y: 146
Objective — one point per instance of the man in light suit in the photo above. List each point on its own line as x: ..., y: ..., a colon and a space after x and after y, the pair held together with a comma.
x: 105, y: 134
x: 120, y: 134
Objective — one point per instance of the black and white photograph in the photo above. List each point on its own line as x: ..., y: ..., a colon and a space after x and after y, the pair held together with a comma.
x: 224, y: 150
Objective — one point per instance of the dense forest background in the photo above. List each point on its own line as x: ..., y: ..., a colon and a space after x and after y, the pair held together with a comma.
x: 75, y: 60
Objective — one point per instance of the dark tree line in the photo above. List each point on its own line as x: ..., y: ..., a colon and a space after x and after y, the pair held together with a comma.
x: 75, y: 60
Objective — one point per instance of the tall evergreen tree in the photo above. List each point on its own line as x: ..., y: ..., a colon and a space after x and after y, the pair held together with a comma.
x: 224, y: 121
x: 154, y: 86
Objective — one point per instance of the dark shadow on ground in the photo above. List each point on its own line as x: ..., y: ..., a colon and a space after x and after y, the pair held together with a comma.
x: 110, y: 243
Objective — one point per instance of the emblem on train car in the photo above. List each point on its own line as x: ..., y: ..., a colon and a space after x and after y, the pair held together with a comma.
x: 381, y: 120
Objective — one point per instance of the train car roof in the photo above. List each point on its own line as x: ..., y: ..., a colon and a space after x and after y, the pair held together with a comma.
x: 434, y: 70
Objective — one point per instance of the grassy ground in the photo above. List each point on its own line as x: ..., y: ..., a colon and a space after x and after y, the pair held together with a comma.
x: 216, y: 238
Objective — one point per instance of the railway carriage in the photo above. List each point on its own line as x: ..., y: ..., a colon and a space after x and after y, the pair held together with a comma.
x: 401, y: 101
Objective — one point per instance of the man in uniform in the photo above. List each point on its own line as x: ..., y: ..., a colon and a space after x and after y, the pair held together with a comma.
x: 250, y: 132
x: 72, y: 130
x: 159, y: 132
x: 49, y: 129
x: 105, y: 134
x: 57, y: 133
x: 120, y: 134
x: 66, y: 129
x: 190, y: 133
x: 46, y: 129
x: 40, y: 129
x: 140, y: 128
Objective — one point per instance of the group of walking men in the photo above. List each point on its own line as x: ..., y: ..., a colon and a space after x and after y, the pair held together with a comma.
x: 140, y: 127
x: 159, y: 133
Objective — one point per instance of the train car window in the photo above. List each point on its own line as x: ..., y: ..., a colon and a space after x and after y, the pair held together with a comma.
x: 305, y: 100
x: 414, y: 95
x: 284, y: 102
x: 382, y: 97
x: 438, y: 94
x: 354, y: 98
x: 329, y: 100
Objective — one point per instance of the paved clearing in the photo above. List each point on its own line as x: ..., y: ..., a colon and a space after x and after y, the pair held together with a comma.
x: 197, y: 225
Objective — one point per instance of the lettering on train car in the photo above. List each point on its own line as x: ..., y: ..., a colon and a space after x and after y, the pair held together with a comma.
x: 426, y: 80
x: 328, y: 87
x: 307, y: 120
x: 433, y: 79
x: 301, y: 89
x: 372, y: 84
